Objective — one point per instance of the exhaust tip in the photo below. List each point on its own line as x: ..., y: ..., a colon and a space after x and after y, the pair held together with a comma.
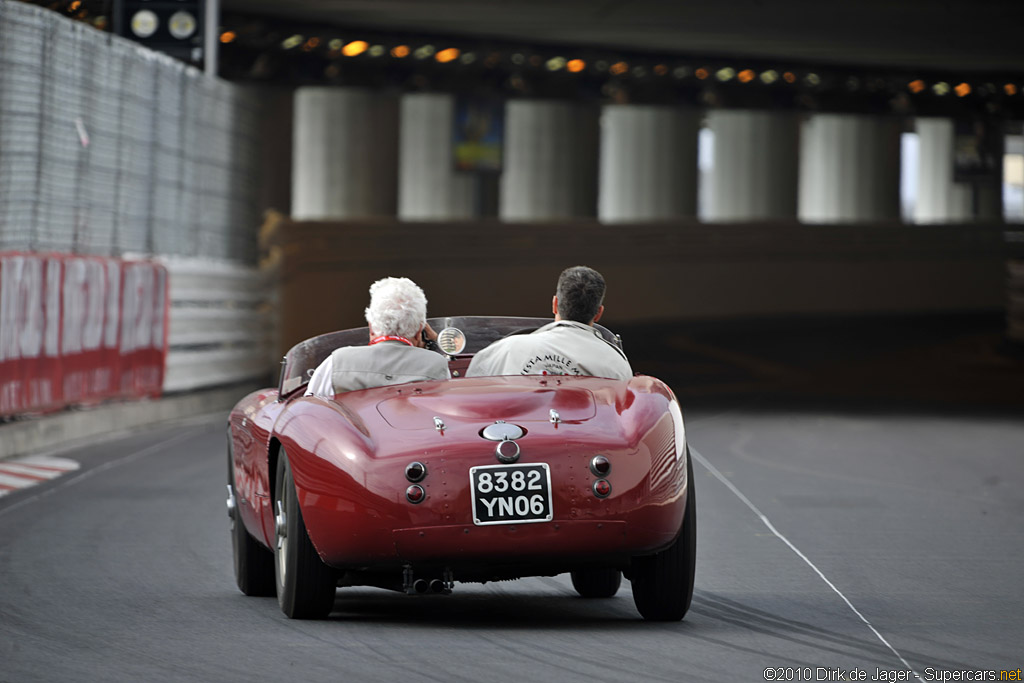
x: 420, y: 586
x: 437, y: 586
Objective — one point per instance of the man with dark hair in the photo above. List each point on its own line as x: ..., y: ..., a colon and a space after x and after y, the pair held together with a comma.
x: 568, y: 346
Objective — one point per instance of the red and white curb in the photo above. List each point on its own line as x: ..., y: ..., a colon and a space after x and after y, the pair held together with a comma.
x: 29, y: 471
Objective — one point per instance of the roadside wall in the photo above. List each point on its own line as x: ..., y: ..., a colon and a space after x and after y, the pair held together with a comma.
x: 655, y: 271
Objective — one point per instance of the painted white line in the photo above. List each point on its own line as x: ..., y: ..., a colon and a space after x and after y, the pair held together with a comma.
x: 180, y: 436
x: 31, y: 470
x: 771, y: 527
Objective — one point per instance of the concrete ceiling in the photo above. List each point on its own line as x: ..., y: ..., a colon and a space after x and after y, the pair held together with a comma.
x: 979, y: 35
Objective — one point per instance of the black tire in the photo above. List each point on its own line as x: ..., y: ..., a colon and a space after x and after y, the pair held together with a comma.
x: 663, y: 583
x: 254, y: 564
x: 305, y: 585
x: 597, y: 583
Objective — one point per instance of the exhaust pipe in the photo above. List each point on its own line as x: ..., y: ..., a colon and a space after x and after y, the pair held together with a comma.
x: 437, y: 586
x: 421, y: 586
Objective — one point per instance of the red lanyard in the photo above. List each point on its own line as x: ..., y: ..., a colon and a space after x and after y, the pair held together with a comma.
x: 389, y: 337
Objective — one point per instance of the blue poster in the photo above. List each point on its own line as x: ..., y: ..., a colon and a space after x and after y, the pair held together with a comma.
x: 479, y: 133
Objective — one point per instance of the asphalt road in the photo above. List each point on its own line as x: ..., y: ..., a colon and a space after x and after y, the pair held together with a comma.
x: 829, y: 520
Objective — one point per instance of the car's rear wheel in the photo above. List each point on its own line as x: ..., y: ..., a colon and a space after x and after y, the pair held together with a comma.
x: 254, y: 564
x: 663, y: 583
x: 305, y: 585
x: 597, y: 583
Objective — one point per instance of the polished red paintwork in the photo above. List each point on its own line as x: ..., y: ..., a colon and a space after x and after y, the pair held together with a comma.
x: 349, y: 456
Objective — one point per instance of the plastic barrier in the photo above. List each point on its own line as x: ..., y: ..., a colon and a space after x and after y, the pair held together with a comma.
x: 79, y: 329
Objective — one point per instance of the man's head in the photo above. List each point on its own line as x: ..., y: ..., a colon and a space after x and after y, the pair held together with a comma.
x: 579, y: 295
x: 397, y: 307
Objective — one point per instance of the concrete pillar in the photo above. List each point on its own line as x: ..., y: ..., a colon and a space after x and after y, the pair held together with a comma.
x: 429, y: 187
x: 550, y: 169
x: 939, y: 198
x: 345, y: 154
x: 648, y: 163
x: 849, y: 168
x: 754, y: 170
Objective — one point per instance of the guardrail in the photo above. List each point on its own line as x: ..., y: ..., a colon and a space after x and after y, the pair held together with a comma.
x: 1015, y: 303
x: 222, y: 324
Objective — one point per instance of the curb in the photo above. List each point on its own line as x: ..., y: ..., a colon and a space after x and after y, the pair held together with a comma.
x: 92, y: 424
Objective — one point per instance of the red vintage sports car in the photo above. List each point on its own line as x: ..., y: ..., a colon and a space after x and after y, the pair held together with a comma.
x: 412, y: 487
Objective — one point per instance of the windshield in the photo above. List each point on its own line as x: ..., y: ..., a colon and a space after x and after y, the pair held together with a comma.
x: 480, y: 331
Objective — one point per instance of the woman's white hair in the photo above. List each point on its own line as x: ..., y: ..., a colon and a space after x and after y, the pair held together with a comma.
x: 397, y: 307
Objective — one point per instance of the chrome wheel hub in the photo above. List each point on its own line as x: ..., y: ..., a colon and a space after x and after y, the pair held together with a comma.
x: 281, y: 531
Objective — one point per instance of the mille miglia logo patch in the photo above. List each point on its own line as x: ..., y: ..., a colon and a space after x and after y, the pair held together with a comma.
x: 550, y: 364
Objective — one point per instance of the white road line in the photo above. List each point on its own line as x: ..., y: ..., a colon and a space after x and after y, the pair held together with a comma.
x: 31, y: 470
x: 771, y: 527
x: 149, y: 450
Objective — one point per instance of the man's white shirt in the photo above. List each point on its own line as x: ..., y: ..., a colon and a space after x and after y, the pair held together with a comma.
x: 564, y: 347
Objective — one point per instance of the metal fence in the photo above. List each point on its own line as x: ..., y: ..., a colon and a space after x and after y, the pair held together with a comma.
x: 107, y: 148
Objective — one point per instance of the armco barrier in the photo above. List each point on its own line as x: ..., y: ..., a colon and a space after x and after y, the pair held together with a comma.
x: 222, y: 324
x: 79, y: 329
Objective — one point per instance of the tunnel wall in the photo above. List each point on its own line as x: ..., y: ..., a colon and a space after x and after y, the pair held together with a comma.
x: 655, y: 271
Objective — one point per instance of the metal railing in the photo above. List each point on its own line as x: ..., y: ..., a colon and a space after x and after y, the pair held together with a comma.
x: 108, y: 148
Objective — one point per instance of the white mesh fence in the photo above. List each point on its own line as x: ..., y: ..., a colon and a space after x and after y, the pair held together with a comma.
x: 107, y: 148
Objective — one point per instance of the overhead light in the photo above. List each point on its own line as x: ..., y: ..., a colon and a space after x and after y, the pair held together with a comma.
x: 292, y: 41
x: 355, y: 48
x: 789, y: 77
x: 725, y: 74
x: 963, y: 90
x: 661, y: 69
x: 400, y: 51
x: 376, y: 51
x: 336, y: 44
x: 228, y: 37
x: 701, y: 73
x: 941, y: 88
x: 1010, y: 89
x: 746, y: 76
x: 467, y: 58
x: 769, y: 77
x: 556, y: 63
x: 448, y: 55
x: 618, y: 68
x: 424, y: 51
x: 916, y: 86
x: 145, y: 23
x: 182, y: 25
x: 576, y: 65
x: 812, y: 79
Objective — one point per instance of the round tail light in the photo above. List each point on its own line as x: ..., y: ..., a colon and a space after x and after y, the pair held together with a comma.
x: 600, y: 466
x: 602, y: 488
x: 415, y: 494
x: 415, y: 471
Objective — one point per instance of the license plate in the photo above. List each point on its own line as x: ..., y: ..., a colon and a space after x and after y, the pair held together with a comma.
x: 511, y: 494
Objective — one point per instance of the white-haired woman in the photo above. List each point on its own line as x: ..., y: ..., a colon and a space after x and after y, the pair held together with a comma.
x: 397, y: 317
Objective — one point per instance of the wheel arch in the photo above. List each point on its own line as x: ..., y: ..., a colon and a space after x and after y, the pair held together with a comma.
x: 273, y: 455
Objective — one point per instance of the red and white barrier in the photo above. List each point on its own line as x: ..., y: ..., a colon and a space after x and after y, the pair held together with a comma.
x: 78, y: 329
